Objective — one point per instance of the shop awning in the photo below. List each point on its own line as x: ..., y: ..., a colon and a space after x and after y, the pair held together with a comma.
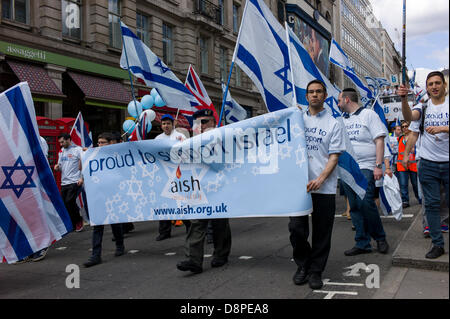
x: 101, y: 91
x: 37, y: 77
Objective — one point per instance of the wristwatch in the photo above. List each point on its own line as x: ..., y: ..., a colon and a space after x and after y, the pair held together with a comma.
x: 378, y: 165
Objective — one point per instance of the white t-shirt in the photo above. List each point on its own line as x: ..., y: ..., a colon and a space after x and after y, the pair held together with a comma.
x: 363, y: 127
x: 415, y: 127
x: 68, y: 160
x: 323, y: 136
x: 175, y: 135
x: 433, y: 147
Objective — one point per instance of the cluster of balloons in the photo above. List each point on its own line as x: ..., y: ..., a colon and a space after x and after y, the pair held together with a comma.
x: 142, y: 111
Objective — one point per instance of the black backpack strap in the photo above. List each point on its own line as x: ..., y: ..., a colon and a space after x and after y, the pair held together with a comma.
x: 422, y: 120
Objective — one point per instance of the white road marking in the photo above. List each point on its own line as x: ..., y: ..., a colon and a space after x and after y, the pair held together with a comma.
x: 133, y: 251
x: 61, y: 248
x: 170, y: 254
x: 330, y: 294
x: 390, y: 216
x: 207, y: 256
x: 245, y: 257
x: 328, y: 282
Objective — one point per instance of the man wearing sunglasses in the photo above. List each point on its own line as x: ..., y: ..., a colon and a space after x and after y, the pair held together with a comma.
x: 221, y: 231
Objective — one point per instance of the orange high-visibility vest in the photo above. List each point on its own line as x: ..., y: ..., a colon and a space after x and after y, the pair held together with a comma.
x: 412, y: 165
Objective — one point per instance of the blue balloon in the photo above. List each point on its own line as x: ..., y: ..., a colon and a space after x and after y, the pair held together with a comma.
x: 154, y: 93
x: 159, y: 102
x: 128, y: 126
x: 148, y: 127
x: 147, y: 102
x: 132, y: 109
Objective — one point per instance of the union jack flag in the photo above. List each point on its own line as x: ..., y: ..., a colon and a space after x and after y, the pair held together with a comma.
x: 195, y: 86
x: 79, y: 134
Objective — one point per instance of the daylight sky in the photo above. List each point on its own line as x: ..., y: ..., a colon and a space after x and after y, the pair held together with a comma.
x: 427, y: 32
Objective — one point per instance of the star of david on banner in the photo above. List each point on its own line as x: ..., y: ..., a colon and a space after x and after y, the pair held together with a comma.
x: 10, y: 170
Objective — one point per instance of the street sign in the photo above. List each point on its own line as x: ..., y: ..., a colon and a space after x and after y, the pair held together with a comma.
x: 394, y: 79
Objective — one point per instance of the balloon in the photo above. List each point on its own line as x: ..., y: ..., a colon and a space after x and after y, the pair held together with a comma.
x: 128, y: 126
x: 151, y: 115
x: 159, y: 102
x: 148, y: 127
x: 132, y: 109
x: 154, y: 93
x: 147, y: 102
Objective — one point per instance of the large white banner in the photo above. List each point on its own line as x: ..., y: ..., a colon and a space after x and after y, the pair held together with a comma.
x: 253, y: 168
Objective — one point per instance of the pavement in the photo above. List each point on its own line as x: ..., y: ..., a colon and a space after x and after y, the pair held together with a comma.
x: 413, y: 276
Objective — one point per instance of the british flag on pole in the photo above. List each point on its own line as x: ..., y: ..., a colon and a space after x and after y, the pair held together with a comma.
x: 32, y: 213
x: 80, y: 134
x: 195, y: 86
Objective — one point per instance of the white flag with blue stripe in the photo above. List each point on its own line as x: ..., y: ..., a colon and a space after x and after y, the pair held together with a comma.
x: 233, y: 111
x: 304, y: 71
x: 144, y: 64
x: 32, y: 212
x: 262, y: 53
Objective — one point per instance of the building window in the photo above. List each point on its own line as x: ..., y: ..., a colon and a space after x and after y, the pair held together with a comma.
x: 238, y: 75
x: 168, y: 56
x: 142, y: 28
x: 235, y: 18
x: 16, y: 10
x: 115, y: 34
x: 223, y: 64
x: 71, y: 18
x: 204, y: 55
x: 222, y: 12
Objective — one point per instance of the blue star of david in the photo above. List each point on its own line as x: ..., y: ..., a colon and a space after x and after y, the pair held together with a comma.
x: 160, y: 65
x: 283, y: 74
x: 9, y: 171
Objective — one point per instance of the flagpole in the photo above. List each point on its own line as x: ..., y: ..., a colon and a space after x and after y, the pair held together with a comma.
x: 404, y: 45
x: 294, y: 94
x: 129, y: 72
x: 232, y: 65
x: 74, y: 123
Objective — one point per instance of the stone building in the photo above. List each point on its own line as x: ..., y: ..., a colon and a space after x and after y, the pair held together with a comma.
x: 69, y: 52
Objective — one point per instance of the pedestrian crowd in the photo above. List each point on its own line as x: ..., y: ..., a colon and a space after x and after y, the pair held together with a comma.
x: 419, y: 155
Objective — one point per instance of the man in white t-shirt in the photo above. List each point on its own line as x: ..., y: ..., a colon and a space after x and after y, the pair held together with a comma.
x: 324, y: 143
x: 366, y: 133
x: 69, y: 163
x: 431, y: 122
x: 169, y: 132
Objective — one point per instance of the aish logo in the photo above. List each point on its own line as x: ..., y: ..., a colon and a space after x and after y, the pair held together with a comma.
x: 179, y: 186
x: 73, y: 16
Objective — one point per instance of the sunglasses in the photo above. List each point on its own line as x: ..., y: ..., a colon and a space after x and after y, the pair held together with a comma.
x: 405, y: 126
x: 205, y: 121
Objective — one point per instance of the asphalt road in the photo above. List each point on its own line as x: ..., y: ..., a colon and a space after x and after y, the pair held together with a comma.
x: 260, y: 266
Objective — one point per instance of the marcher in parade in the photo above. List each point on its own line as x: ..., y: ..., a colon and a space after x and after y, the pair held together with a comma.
x: 324, y: 143
x: 367, y: 134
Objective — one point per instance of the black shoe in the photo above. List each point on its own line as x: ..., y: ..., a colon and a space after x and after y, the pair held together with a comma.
x: 315, y: 280
x: 186, y: 265
x: 356, y: 251
x: 119, y: 251
x: 162, y: 237
x: 382, y: 246
x: 128, y: 228
x: 301, y: 276
x: 435, y: 252
x: 218, y: 262
x: 405, y: 205
x: 92, y: 262
x: 353, y: 227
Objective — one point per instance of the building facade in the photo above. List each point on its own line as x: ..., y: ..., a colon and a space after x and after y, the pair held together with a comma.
x: 69, y: 52
x: 392, y: 64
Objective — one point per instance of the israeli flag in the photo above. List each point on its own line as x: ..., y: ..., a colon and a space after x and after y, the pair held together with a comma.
x: 144, y: 64
x: 339, y: 58
x: 304, y: 71
x: 233, y: 111
x: 372, y: 83
x: 262, y: 53
x: 412, y: 81
x: 382, y: 82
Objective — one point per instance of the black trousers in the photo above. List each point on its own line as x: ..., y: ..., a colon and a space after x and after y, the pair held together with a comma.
x: 69, y: 195
x: 97, y: 238
x: 165, y: 226
x: 313, y: 257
